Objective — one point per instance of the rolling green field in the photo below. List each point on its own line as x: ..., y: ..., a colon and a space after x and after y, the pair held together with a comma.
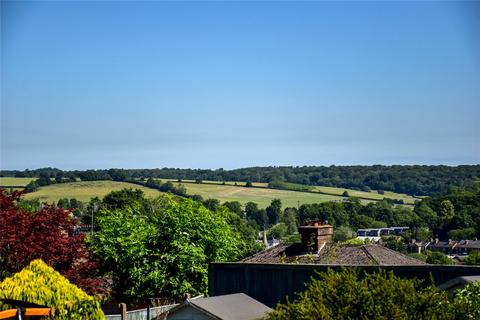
x: 84, y: 191
x: 262, y: 196
x: 371, y: 195
x: 15, y: 182
x: 330, y: 191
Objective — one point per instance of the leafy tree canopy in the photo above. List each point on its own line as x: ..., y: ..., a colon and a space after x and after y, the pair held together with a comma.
x: 165, y: 249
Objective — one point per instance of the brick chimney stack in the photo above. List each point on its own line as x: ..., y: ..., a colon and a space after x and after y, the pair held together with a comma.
x: 315, y: 234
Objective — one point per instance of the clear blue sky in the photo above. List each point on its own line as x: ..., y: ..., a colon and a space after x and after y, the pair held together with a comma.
x: 237, y: 84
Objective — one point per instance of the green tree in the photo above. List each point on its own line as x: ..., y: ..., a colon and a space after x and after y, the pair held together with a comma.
x: 278, y: 231
x: 438, y: 258
x: 123, y: 198
x: 63, y: 203
x: 165, y: 250
x: 345, y: 295
x: 234, y: 206
x: 462, y: 234
x: 395, y: 243
x: 290, y: 218
x: 212, y: 204
x: 273, y: 211
x: 343, y: 233
x: 32, y: 186
x: 447, y: 211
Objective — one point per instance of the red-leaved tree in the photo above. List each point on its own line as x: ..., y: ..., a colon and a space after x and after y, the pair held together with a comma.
x: 46, y: 234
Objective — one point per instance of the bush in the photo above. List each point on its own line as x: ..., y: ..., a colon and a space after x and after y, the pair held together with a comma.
x: 472, y: 259
x: 40, y: 284
x: 343, y: 233
x: 438, y: 258
x: 467, y: 301
x: 343, y: 295
x: 278, y: 231
x: 418, y: 256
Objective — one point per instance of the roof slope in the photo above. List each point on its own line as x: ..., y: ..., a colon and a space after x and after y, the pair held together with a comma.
x: 368, y: 254
x: 236, y: 306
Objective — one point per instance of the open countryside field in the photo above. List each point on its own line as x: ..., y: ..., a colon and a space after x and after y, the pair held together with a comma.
x: 207, y: 189
x: 15, y: 182
x: 262, y: 196
x: 84, y: 191
x: 333, y: 191
x: 230, y: 183
x: 371, y: 195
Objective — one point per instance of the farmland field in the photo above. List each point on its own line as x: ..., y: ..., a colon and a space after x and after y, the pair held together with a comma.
x: 335, y: 193
x: 262, y: 196
x: 84, y: 191
x: 15, y: 182
x: 364, y: 194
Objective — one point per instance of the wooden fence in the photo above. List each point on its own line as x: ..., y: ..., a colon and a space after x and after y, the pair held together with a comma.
x: 273, y: 283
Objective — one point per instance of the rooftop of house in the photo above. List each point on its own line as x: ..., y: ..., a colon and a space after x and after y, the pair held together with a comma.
x: 238, y: 306
x: 335, y: 254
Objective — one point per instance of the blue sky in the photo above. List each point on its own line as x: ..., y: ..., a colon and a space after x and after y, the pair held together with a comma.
x: 237, y: 84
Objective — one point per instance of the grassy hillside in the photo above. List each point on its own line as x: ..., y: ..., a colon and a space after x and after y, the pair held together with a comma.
x: 15, y: 182
x: 370, y: 195
x: 262, y: 196
x: 207, y: 190
x: 84, y: 191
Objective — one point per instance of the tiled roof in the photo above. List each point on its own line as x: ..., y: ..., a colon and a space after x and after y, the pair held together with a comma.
x: 369, y: 254
x: 236, y: 306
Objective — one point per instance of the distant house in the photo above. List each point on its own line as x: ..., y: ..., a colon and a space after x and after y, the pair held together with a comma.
x: 375, y: 233
x: 417, y: 246
x: 450, y: 247
x: 317, y: 248
x: 236, y: 306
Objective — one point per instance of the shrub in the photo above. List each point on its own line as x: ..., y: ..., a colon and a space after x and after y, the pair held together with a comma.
x: 473, y: 259
x: 40, y: 284
x: 467, y: 301
x: 438, y: 258
x: 343, y: 295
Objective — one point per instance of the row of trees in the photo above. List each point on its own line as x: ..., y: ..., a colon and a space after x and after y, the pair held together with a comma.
x: 413, y: 180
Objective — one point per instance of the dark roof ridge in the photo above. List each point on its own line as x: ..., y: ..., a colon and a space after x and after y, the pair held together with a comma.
x: 369, y: 254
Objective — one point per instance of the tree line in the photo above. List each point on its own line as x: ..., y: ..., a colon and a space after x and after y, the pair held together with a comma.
x: 419, y: 180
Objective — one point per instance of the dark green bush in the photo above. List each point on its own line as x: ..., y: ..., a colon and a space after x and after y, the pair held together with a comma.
x: 344, y: 295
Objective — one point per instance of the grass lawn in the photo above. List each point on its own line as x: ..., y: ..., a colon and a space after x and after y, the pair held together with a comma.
x: 15, y: 182
x: 262, y: 196
x: 84, y: 191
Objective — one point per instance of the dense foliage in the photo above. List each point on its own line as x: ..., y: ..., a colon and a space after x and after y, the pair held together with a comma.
x: 46, y: 234
x: 344, y: 295
x: 413, y: 180
x: 467, y: 301
x: 162, y: 247
x: 40, y: 284
x: 457, y: 214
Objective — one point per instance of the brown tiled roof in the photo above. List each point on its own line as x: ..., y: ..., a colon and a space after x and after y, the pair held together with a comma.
x: 368, y: 254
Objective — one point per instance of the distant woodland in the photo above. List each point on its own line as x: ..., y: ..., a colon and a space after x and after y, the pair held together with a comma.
x: 414, y: 180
